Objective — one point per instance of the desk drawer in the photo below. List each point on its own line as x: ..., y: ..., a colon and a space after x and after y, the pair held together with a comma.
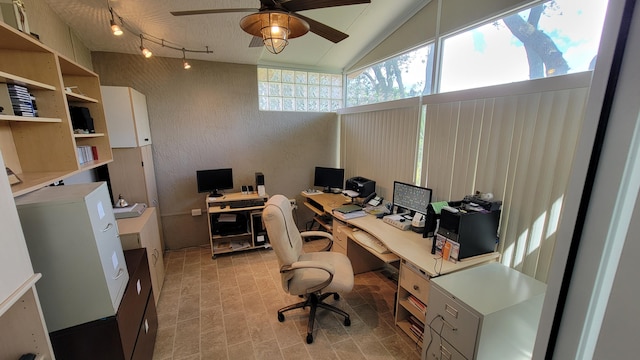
x: 439, y: 349
x: 414, y: 282
x: 340, y: 232
x: 459, y: 325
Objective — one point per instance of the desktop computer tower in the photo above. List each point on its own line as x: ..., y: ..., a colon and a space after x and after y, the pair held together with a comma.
x: 476, y: 232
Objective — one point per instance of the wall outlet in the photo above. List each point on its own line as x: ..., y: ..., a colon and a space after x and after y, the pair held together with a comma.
x: 196, y: 212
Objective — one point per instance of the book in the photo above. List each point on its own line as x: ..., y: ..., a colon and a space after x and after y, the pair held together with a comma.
x: 351, y: 215
x: 346, y: 209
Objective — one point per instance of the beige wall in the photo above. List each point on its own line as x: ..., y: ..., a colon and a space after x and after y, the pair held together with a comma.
x: 53, y: 32
x: 208, y: 118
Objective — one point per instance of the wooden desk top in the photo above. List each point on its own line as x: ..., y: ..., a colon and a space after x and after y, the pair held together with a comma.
x: 415, y: 249
x: 328, y: 201
x: 408, y: 245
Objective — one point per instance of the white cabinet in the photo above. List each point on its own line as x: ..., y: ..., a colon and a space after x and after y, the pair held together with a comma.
x: 72, y: 237
x: 127, y: 117
x: 143, y: 232
x: 487, y: 312
x: 22, y: 328
x: 132, y: 175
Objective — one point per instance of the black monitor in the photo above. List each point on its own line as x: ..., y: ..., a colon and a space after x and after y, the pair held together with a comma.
x: 211, y: 181
x: 329, y: 178
x: 411, y: 197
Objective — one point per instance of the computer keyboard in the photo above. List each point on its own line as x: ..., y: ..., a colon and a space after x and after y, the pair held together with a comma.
x: 246, y: 203
x: 370, y: 241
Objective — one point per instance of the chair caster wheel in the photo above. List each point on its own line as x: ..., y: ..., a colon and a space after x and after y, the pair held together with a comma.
x: 309, y: 338
x: 280, y: 317
x: 347, y: 322
x: 336, y: 296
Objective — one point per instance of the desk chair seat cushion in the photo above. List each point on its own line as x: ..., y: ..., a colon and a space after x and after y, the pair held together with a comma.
x: 304, y: 279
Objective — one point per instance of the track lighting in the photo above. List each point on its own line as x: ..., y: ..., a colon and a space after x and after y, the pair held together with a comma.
x: 146, y: 52
x: 119, y: 27
x: 115, y: 28
x: 185, y: 64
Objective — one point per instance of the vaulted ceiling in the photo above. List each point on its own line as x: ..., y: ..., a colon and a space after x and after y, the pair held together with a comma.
x: 366, y: 25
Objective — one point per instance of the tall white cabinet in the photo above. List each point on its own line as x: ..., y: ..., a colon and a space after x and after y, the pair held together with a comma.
x: 132, y: 172
x: 72, y: 237
x: 22, y: 326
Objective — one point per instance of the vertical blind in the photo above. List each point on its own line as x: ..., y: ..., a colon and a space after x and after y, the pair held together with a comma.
x: 516, y: 141
x: 381, y: 145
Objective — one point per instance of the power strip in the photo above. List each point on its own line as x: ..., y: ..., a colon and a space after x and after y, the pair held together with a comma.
x: 397, y: 221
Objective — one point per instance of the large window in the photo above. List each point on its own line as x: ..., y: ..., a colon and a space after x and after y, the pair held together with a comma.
x: 554, y: 38
x: 292, y: 90
x: 404, y: 76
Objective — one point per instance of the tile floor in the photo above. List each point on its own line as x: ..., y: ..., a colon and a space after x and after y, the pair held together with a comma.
x: 225, y: 308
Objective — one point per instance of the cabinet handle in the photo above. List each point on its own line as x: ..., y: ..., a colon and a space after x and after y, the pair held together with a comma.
x: 416, y: 287
x: 155, y: 256
x: 451, y: 311
x: 108, y: 227
x: 119, y: 274
x: 444, y: 353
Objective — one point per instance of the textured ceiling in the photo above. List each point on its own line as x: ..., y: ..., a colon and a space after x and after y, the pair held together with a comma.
x: 366, y: 24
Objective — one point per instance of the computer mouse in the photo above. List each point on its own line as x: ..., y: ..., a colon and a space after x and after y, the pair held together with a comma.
x: 402, y: 219
x: 223, y: 206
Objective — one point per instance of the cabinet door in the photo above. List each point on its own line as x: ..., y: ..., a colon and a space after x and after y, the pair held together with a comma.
x: 127, y: 118
x: 146, y: 153
x: 141, y: 117
x: 150, y: 239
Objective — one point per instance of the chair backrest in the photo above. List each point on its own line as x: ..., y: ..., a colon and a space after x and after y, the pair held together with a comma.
x: 283, y: 233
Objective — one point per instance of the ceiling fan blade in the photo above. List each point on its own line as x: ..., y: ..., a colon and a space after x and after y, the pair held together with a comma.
x: 323, y: 30
x: 210, y: 11
x: 256, y: 42
x: 301, y: 5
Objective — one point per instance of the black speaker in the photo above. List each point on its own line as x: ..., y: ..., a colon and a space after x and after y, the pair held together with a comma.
x: 259, y: 179
x: 81, y: 119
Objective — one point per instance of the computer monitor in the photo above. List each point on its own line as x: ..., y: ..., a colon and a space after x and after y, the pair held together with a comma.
x: 411, y: 197
x: 211, y: 181
x: 328, y: 178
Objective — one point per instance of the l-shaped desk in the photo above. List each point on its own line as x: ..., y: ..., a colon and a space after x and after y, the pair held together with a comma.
x: 417, y: 264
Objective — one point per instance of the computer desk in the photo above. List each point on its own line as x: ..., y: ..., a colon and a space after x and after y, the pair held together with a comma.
x: 413, y: 252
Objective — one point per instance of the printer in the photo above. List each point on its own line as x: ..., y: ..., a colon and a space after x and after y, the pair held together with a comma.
x: 364, y: 187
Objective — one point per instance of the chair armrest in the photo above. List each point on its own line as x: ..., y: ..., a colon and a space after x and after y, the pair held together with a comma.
x: 323, y: 234
x: 312, y: 265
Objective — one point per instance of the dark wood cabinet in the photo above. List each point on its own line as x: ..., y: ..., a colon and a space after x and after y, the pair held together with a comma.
x: 130, y: 334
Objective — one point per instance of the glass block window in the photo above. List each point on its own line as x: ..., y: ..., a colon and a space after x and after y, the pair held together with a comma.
x: 293, y: 90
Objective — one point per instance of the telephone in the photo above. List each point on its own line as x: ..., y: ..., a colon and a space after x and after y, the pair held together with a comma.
x: 373, y: 199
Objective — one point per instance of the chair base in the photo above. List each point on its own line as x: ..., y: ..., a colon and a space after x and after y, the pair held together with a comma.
x: 314, y: 302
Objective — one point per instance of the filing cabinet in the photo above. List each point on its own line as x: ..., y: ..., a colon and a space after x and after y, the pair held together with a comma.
x: 130, y: 334
x: 487, y: 312
x: 340, y: 231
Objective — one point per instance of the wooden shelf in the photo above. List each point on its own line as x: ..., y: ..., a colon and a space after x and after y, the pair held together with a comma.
x: 18, y: 80
x: 29, y: 119
x: 79, y: 98
x: 42, y: 150
x: 95, y: 135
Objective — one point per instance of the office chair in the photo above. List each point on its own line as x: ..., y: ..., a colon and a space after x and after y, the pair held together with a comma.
x: 314, y: 275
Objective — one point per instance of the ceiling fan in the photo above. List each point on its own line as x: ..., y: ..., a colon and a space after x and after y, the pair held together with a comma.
x: 277, y: 21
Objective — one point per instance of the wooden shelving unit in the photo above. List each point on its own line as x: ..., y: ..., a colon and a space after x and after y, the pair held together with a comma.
x: 42, y: 150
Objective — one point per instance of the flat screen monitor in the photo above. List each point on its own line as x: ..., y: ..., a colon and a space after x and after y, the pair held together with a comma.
x: 212, y: 181
x: 328, y: 178
x: 411, y: 197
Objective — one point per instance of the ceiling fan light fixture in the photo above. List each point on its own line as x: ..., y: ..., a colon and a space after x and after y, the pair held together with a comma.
x: 275, y: 28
